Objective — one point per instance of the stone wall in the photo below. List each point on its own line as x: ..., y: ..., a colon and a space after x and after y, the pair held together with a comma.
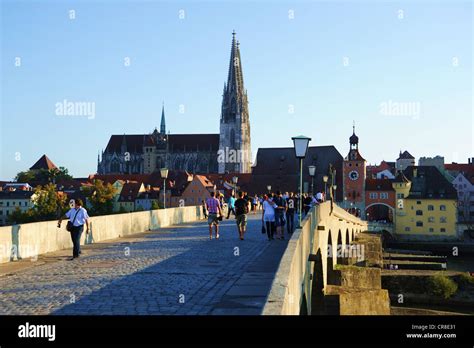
x: 30, y: 240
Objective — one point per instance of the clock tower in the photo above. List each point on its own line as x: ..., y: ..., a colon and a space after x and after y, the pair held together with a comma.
x: 354, y: 178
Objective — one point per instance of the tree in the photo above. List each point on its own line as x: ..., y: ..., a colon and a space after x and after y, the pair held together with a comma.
x: 154, y: 205
x: 27, y: 176
x: 44, y: 176
x: 101, y: 197
x: 21, y: 217
x: 48, y: 203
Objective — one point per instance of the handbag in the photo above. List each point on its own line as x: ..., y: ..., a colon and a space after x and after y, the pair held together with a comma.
x: 263, y: 229
x: 70, y: 225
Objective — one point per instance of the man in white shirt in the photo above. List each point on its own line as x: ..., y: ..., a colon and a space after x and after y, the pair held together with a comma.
x: 78, y: 217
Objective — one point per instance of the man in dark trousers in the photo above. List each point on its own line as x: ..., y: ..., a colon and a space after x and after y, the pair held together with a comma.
x: 78, y: 217
x: 290, y: 213
x: 241, y: 211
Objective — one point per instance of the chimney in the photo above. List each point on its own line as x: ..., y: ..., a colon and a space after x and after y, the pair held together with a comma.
x: 148, y: 187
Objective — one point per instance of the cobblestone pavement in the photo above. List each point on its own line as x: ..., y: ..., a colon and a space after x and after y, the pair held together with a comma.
x: 175, y: 270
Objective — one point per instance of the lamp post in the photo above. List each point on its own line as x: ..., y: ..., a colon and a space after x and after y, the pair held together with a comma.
x: 269, y: 188
x: 334, y: 187
x: 325, y: 180
x: 235, y: 179
x: 164, y: 176
x: 312, y: 172
x: 301, y: 147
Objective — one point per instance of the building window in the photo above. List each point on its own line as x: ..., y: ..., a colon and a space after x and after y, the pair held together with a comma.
x: 373, y: 195
x: 442, y: 230
x: 431, y: 219
x: 431, y: 229
x: 442, y: 207
x: 407, y: 229
x: 400, y: 195
x: 443, y: 219
x: 419, y: 224
x: 383, y: 195
x: 430, y: 207
x: 8, y: 204
x: 418, y: 202
x: 419, y: 212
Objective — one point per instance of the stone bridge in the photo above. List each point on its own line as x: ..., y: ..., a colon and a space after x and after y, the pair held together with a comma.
x: 162, y: 262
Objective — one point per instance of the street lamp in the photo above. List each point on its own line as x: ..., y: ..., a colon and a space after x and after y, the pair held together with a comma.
x: 301, y: 147
x: 334, y: 187
x: 312, y: 172
x: 234, y: 180
x: 269, y: 188
x: 325, y: 180
x: 164, y: 176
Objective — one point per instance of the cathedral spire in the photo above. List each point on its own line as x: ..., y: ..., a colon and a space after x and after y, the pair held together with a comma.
x: 163, y: 123
x: 235, y: 125
x: 235, y: 80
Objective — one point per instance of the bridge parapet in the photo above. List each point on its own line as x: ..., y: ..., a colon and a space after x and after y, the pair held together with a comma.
x: 33, y: 239
x: 325, y: 234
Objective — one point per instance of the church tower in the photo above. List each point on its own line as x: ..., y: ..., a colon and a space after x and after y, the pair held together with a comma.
x: 234, y: 154
x: 354, y: 174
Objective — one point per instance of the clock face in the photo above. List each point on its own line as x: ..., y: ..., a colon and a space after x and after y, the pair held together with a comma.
x: 354, y: 175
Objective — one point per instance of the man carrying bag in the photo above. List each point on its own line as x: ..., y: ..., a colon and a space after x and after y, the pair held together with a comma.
x: 77, y: 217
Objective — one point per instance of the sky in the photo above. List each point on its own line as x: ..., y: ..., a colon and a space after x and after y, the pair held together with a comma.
x: 401, y: 70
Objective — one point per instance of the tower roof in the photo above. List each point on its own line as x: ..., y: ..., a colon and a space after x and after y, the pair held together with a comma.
x: 163, y: 122
x: 354, y: 139
x: 235, y: 79
x: 43, y: 163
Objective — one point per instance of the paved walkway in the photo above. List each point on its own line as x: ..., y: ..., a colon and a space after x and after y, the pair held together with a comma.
x: 175, y: 270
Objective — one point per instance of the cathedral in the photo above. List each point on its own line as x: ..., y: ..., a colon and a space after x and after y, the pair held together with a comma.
x: 226, y: 152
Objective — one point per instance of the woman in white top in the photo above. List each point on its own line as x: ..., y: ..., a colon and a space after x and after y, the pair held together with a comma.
x: 268, y: 216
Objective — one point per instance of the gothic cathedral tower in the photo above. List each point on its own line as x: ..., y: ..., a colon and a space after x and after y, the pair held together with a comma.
x: 234, y: 141
x: 354, y: 173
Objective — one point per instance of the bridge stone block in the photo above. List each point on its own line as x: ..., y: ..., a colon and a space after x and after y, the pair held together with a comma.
x: 344, y: 301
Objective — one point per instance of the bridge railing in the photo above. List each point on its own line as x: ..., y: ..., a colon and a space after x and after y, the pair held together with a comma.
x: 292, y: 284
x: 33, y: 239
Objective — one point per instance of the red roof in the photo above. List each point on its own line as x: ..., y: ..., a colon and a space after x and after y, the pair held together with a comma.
x: 130, y: 191
x: 459, y: 167
x: 43, y: 163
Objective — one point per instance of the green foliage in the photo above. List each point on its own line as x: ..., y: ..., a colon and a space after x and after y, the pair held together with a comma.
x: 22, y: 217
x: 442, y: 286
x: 44, y: 176
x: 101, y: 197
x: 49, y: 205
x: 464, y: 280
x: 122, y: 210
x: 27, y: 176
x: 155, y: 205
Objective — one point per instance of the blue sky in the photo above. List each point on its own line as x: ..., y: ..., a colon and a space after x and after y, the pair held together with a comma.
x: 332, y: 63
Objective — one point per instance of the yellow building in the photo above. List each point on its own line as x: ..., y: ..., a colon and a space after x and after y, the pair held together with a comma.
x: 425, y: 206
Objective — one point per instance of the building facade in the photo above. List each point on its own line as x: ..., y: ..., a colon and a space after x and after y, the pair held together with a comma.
x: 228, y: 151
x: 426, y: 205
x: 354, y: 175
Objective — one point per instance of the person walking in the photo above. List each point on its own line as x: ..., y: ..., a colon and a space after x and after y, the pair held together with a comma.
x: 231, y: 206
x: 213, y: 207
x: 280, y: 211
x: 204, y: 210
x: 78, y: 217
x: 307, y: 201
x: 268, y: 216
x: 290, y: 213
x: 241, y: 211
